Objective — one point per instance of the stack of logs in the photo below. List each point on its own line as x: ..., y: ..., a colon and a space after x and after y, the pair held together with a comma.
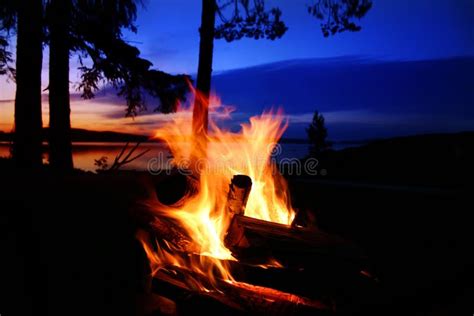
x: 306, y: 260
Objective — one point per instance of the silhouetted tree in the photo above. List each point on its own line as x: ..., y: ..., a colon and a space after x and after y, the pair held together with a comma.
x: 7, y: 24
x: 70, y: 23
x: 59, y: 17
x: 94, y: 30
x: 317, y: 135
x: 29, y: 54
x: 117, y: 62
x: 249, y: 18
x: 5, y: 56
x: 203, y: 83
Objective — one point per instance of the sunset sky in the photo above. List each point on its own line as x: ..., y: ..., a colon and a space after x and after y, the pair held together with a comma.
x: 168, y: 36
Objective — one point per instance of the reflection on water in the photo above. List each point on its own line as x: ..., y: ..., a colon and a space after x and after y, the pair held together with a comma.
x: 86, y: 153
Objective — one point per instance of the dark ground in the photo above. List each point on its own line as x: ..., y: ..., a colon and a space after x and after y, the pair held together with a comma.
x: 419, y: 240
x: 67, y: 245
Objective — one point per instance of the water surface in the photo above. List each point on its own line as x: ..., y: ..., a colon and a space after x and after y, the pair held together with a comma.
x: 85, y: 154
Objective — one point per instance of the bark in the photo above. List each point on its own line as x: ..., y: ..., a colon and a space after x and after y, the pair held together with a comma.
x: 239, y: 191
x: 255, y: 240
x: 29, y: 55
x: 163, y: 228
x: 59, y: 107
x: 232, y: 297
x: 203, y: 85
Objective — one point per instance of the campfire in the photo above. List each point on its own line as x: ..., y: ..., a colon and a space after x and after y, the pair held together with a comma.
x: 233, y: 221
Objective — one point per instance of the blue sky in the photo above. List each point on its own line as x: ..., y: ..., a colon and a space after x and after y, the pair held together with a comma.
x: 393, y: 29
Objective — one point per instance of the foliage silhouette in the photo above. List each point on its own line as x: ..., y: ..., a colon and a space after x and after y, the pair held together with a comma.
x: 317, y: 135
x: 338, y: 15
x: 250, y: 19
x: 7, y: 26
x: 240, y: 18
x: 93, y: 30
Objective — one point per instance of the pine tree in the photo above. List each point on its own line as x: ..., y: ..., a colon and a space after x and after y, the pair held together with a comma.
x: 317, y: 135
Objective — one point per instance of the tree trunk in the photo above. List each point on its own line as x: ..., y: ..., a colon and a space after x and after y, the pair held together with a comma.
x: 59, y: 108
x: 29, y: 55
x: 206, y: 46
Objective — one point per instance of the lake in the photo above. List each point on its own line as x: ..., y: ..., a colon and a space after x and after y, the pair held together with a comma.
x: 85, y: 154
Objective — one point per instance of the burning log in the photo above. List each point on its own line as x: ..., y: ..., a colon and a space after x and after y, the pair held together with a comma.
x: 233, y: 297
x: 163, y: 229
x: 304, y: 219
x: 254, y: 240
x: 259, y: 241
x: 239, y: 191
x: 256, y: 244
x: 264, y: 300
x: 168, y: 230
x: 311, y: 290
x: 172, y: 284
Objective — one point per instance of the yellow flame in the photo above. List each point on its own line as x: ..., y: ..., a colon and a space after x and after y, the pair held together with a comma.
x: 223, y: 155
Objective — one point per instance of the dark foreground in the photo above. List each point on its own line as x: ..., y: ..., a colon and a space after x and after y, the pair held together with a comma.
x: 67, y: 243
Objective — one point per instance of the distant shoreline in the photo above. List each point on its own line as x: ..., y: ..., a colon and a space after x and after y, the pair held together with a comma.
x: 88, y: 136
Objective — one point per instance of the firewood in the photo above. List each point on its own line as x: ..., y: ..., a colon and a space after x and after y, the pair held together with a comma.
x: 162, y: 228
x: 187, y: 288
x: 238, y: 297
x: 263, y: 300
x: 305, y: 219
x: 239, y: 190
x: 168, y: 230
x: 254, y: 239
x: 171, y: 283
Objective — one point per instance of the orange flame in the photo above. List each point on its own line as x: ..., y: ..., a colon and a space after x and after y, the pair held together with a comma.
x: 221, y: 154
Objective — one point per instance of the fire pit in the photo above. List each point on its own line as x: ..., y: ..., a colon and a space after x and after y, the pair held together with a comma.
x: 231, y: 242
